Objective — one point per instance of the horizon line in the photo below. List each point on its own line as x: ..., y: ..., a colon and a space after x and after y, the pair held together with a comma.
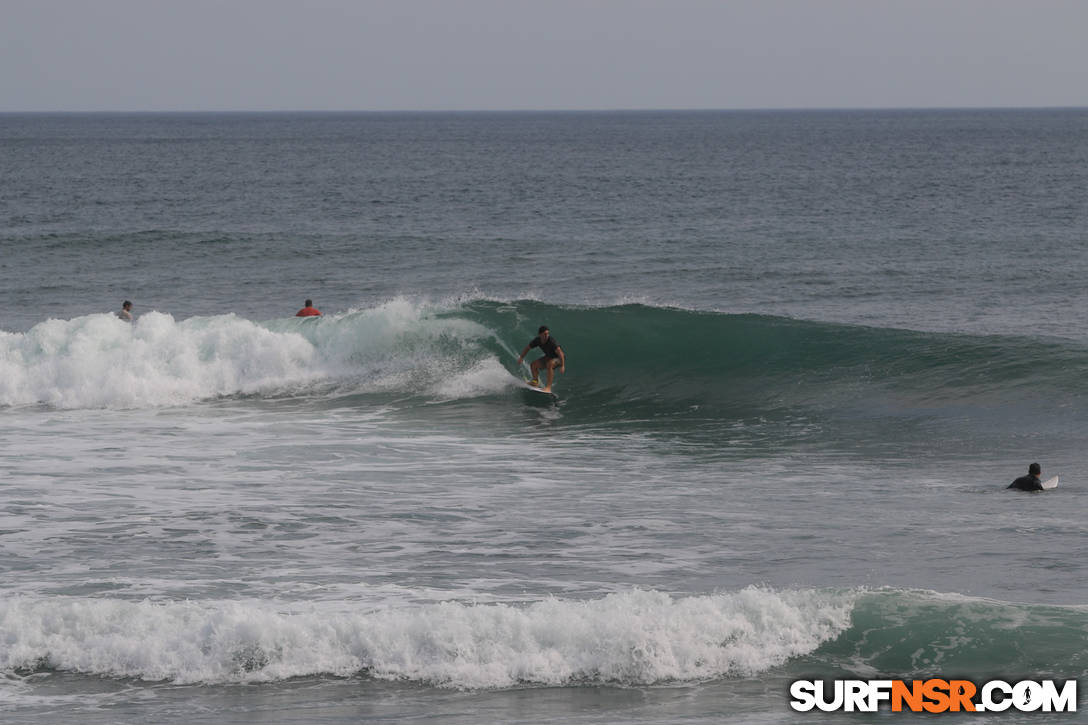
x: 768, y: 109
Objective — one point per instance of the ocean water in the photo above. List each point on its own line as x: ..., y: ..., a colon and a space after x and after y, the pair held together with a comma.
x: 806, y: 353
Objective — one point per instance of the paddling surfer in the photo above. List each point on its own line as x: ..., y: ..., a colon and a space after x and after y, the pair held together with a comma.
x: 125, y: 313
x: 1031, y: 481
x: 553, y: 356
x: 309, y: 310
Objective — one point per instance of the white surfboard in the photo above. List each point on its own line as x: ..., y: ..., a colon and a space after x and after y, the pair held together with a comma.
x: 537, y: 389
x: 1050, y: 483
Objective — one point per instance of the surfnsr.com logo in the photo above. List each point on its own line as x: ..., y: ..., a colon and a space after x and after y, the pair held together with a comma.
x: 934, y: 695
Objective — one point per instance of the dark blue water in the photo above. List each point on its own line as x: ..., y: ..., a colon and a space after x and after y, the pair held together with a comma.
x: 806, y: 352
x: 933, y: 218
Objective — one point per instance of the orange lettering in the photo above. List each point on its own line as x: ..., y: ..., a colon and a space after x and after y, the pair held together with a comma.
x: 912, y: 695
x: 937, y: 692
x: 961, y: 693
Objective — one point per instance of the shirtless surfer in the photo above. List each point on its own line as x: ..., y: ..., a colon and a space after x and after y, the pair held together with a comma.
x: 553, y: 355
x: 125, y: 313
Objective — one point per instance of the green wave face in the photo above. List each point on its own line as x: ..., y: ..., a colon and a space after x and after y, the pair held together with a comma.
x: 630, y: 368
x: 666, y: 361
x: 918, y: 635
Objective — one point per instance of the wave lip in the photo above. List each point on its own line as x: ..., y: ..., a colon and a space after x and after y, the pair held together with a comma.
x: 635, y: 637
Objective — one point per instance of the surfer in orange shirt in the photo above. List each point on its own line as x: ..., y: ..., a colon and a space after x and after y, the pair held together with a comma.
x: 309, y: 310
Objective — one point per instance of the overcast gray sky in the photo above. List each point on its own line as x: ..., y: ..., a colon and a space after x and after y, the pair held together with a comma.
x: 79, y: 55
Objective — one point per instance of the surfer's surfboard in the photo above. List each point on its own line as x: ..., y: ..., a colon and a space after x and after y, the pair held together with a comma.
x: 536, y: 389
x: 1050, y: 483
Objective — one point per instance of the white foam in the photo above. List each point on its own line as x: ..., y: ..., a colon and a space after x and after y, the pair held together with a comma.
x: 635, y: 637
x: 486, y: 377
x: 99, y: 361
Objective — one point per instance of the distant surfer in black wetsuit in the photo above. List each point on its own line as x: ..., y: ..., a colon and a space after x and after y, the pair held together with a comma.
x: 553, y: 355
x: 1031, y: 481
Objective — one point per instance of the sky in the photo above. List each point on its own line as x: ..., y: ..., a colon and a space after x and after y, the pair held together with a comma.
x: 382, y: 55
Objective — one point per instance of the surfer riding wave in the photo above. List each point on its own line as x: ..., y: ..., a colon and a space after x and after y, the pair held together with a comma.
x: 553, y: 356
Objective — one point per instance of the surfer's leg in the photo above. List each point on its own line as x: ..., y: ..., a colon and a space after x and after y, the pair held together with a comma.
x: 551, y: 370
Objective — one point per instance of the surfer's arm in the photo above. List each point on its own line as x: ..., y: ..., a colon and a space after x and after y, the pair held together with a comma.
x: 562, y: 360
x: 524, y: 353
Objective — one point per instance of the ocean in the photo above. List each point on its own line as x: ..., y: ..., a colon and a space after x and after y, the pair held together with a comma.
x: 806, y: 353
